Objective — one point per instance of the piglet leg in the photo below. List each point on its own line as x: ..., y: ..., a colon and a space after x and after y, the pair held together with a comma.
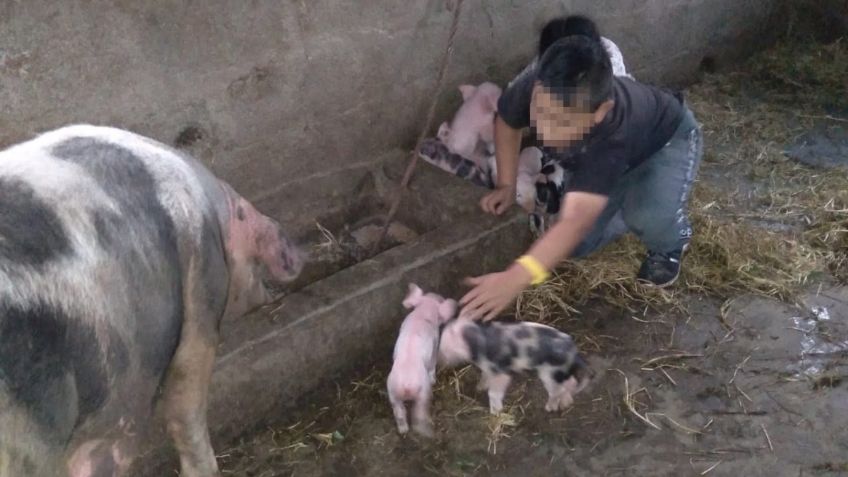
x: 399, y: 410
x: 567, y: 391
x: 560, y: 395
x: 483, y: 384
x: 421, y: 414
x: 498, y: 384
x: 551, y: 387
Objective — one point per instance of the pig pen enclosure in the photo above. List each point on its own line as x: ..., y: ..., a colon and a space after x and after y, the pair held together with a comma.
x: 309, y: 110
x: 740, y: 370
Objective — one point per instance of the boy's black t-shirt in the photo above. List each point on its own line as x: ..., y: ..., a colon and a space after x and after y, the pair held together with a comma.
x: 641, y: 123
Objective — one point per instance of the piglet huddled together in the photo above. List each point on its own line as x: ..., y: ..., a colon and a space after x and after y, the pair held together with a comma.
x: 431, y: 335
x: 465, y: 147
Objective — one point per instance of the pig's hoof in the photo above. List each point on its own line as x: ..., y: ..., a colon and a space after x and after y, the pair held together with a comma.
x: 559, y: 403
x: 552, y: 405
x: 403, y: 429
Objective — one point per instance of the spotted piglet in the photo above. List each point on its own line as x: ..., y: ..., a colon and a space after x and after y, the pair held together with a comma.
x: 528, y: 175
x: 550, y: 192
x: 416, y: 350
x: 502, y: 350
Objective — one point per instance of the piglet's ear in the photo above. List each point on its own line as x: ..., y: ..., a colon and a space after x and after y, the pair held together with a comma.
x: 467, y: 91
x: 413, y: 297
x: 444, y: 132
x: 492, y: 101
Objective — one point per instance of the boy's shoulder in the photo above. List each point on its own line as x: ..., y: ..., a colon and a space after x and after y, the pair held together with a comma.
x: 631, y: 87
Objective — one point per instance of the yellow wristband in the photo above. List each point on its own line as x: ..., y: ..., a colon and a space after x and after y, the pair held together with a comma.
x: 537, y: 270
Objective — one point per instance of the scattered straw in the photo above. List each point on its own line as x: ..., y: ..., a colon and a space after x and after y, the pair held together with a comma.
x: 739, y: 367
x: 686, y: 429
x: 654, y: 363
x: 498, y: 426
x: 743, y: 393
x: 711, y: 468
x: 328, y: 247
x: 668, y: 377
x: 768, y: 439
x: 630, y: 401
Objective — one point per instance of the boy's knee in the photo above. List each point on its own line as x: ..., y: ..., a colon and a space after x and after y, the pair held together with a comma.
x: 601, y: 236
x: 659, y: 229
x: 645, y: 219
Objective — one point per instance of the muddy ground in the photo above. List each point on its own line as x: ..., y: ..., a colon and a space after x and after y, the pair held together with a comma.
x: 721, y: 384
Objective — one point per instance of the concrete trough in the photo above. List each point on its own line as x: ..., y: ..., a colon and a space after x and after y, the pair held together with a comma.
x: 345, y: 316
x: 350, y: 318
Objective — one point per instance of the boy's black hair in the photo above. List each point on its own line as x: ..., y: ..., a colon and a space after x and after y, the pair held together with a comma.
x: 562, y: 27
x: 577, y: 63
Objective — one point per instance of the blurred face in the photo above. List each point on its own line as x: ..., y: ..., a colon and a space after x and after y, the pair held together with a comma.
x: 559, y: 126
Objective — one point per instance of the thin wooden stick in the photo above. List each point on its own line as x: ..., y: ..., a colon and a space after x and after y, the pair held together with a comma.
x: 413, y: 160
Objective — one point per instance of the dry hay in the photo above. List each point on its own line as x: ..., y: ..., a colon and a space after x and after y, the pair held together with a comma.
x: 327, y: 247
x: 785, y: 224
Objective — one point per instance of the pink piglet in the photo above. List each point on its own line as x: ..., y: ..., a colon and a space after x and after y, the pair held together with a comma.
x: 415, y: 355
x: 471, y: 133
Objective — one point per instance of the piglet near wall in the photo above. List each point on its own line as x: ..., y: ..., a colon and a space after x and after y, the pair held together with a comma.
x: 416, y: 350
x: 471, y: 133
x: 502, y: 349
x: 550, y: 192
x: 529, y: 170
x: 436, y: 153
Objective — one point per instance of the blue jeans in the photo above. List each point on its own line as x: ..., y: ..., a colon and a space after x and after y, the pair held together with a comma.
x: 651, y: 200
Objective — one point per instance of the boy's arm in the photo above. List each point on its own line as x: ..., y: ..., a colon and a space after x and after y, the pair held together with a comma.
x: 581, y: 211
x: 492, y: 293
x: 513, y: 116
x: 507, y: 143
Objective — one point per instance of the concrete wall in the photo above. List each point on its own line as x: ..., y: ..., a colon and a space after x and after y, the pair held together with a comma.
x: 276, y: 94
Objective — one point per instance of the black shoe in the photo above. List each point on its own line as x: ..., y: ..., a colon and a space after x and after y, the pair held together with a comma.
x: 661, y: 269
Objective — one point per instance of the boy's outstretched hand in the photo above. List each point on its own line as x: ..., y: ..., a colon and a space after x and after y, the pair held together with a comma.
x: 499, y: 200
x: 492, y: 293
